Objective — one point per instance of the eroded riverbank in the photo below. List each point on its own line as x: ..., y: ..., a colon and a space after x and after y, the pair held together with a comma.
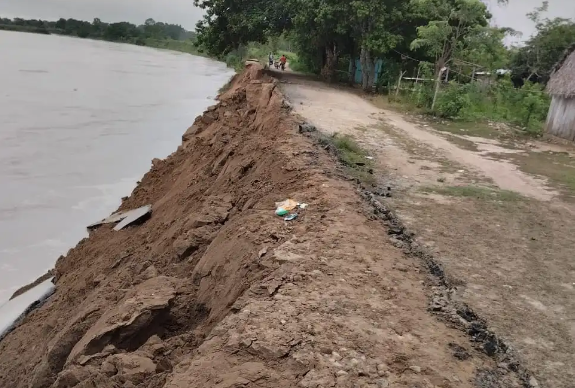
x: 81, y: 121
x: 216, y: 290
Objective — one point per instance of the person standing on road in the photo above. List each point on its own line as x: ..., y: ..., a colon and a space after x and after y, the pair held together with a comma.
x: 283, y: 61
x: 271, y: 59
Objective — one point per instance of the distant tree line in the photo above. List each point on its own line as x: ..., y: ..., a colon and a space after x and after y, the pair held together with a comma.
x: 97, y: 29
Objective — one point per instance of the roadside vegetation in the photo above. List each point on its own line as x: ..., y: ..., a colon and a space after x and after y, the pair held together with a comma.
x: 151, y: 33
x: 355, y: 159
x: 440, y: 56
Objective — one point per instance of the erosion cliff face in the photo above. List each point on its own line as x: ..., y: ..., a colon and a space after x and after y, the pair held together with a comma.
x: 129, y: 303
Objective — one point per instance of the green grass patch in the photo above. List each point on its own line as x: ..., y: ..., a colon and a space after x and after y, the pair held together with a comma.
x: 474, y: 192
x: 354, y: 158
x: 475, y: 129
x: 558, y: 167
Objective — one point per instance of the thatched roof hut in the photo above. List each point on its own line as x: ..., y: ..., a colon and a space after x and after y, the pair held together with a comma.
x: 562, y: 81
x: 561, y: 86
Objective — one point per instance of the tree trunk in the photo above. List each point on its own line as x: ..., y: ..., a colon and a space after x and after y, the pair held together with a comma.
x: 437, y: 84
x: 352, y: 71
x: 401, y: 73
x: 363, y: 64
x: 367, y: 70
x: 328, y: 71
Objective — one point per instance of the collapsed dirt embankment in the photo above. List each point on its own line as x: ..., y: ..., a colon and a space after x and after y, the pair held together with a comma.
x: 215, y: 290
x: 178, y: 274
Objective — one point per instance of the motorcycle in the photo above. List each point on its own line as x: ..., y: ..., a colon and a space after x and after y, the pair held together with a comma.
x: 283, y: 66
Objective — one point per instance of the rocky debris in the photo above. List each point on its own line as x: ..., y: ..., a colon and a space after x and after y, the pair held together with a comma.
x: 154, y: 346
x: 187, y: 244
x: 316, y: 379
x: 83, y: 377
x: 107, y: 351
x: 128, y: 318
x: 59, y: 347
x: 382, y: 383
x: 459, y: 352
x: 149, y: 273
x: 190, y: 132
x: 132, y: 367
x: 307, y: 128
x: 262, y: 252
x: 415, y: 369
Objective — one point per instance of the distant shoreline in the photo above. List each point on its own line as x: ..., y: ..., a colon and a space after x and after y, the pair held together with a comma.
x: 30, y: 29
x: 165, y: 44
x: 148, y: 34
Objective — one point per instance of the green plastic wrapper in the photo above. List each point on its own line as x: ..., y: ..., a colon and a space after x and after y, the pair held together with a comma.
x: 281, y: 212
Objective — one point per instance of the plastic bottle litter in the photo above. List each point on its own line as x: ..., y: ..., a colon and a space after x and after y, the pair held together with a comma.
x: 283, y: 208
x: 291, y: 217
x: 303, y: 205
x: 281, y: 211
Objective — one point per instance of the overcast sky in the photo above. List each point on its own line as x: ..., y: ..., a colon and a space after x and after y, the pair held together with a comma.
x: 183, y: 12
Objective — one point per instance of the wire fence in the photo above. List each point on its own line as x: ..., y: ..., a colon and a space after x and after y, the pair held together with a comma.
x: 479, y: 95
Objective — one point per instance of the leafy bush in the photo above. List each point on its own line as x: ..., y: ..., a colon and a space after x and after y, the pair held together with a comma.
x: 453, y: 101
x: 234, y: 61
x: 495, y: 100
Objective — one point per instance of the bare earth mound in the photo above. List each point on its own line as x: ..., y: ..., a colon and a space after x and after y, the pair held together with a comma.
x: 215, y: 290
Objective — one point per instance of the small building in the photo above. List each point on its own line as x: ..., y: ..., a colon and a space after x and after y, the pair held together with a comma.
x: 561, y: 87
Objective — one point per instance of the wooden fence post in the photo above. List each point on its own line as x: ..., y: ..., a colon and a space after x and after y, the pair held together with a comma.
x: 401, y: 73
x: 437, y: 83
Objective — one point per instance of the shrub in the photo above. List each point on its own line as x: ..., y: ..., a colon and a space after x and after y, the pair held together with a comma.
x: 495, y: 100
x: 452, y: 101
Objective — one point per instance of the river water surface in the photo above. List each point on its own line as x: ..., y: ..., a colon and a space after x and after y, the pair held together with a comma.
x: 80, y: 121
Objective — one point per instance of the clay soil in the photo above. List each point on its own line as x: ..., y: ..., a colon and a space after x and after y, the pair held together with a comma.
x: 495, y: 213
x: 215, y: 290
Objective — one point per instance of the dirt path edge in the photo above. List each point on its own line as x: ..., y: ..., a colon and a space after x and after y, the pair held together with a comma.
x: 442, y: 286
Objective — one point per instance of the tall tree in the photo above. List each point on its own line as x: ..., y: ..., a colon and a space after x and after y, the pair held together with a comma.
x: 447, y: 35
x: 227, y: 24
x: 376, y: 26
x: 321, y: 32
x: 535, y: 60
x: 486, y: 50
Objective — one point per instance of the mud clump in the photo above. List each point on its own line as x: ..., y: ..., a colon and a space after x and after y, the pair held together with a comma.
x: 129, y: 304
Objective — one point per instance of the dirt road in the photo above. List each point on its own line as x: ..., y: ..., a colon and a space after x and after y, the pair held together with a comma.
x: 497, y: 214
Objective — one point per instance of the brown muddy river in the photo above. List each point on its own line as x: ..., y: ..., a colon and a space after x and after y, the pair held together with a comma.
x: 80, y: 121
